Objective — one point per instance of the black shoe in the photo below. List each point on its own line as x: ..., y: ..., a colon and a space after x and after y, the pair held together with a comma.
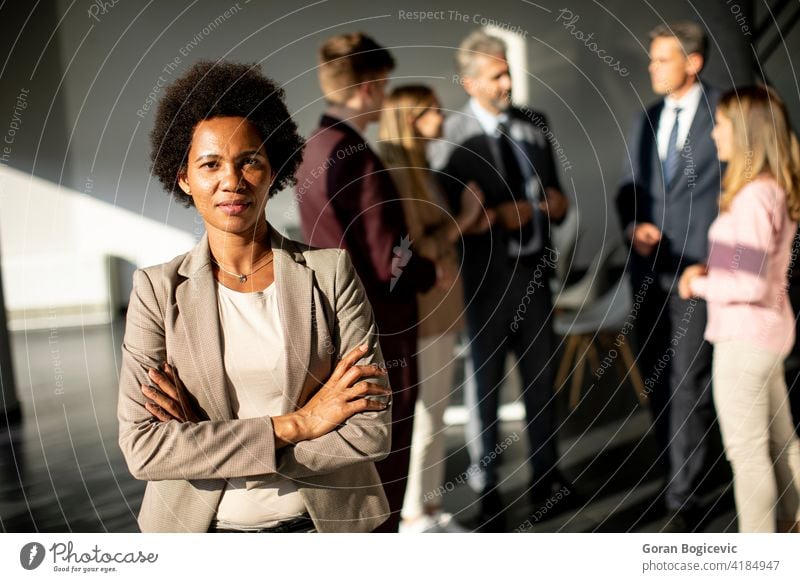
x: 492, y: 515
x: 553, y: 496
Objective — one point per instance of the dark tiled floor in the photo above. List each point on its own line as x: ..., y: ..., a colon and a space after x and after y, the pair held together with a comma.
x: 61, y: 469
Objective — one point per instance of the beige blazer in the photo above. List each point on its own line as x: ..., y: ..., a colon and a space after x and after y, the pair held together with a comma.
x: 173, y: 317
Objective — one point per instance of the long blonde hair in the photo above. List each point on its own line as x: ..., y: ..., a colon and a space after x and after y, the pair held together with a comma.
x: 763, y: 143
x: 400, y: 145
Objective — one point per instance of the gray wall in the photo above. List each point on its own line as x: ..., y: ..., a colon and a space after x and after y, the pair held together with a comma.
x: 96, y: 71
x: 31, y: 67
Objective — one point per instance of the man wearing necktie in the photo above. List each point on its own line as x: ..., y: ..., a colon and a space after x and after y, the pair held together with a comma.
x: 666, y: 203
x: 506, y: 270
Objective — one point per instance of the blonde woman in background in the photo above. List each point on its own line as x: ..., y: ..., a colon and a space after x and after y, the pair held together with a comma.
x: 410, y: 118
x: 750, y: 320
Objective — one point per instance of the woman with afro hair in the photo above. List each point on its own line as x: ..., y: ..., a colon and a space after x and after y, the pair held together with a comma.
x: 253, y: 396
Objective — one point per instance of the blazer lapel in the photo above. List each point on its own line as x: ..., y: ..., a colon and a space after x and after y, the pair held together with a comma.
x: 703, y: 122
x: 295, y: 301
x: 197, y: 302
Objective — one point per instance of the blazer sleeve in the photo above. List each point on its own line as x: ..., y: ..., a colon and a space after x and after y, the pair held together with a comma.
x: 365, y: 436
x: 632, y: 202
x: 158, y: 451
x: 549, y: 161
x: 539, y: 120
x: 739, y: 274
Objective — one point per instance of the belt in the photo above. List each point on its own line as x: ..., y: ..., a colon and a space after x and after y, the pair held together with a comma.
x: 302, y: 524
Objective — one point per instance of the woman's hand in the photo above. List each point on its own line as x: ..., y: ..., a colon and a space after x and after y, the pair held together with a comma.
x: 170, y: 400
x: 685, y: 282
x: 342, y: 396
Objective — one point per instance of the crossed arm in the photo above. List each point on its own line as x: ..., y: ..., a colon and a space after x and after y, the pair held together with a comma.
x: 337, y: 427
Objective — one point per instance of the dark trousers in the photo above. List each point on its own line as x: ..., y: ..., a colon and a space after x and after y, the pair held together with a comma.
x: 494, y: 332
x: 399, y: 354
x: 675, y: 362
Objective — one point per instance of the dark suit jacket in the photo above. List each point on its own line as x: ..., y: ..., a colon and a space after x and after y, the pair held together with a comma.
x: 686, y: 208
x: 467, y: 153
x: 347, y: 199
x: 173, y: 316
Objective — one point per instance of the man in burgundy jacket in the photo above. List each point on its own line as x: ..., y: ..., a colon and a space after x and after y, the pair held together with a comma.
x: 348, y: 200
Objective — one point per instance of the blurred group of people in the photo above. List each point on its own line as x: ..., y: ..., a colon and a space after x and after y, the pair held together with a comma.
x: 446, y: 226
x: 710, y: 208
x: 470, y: 197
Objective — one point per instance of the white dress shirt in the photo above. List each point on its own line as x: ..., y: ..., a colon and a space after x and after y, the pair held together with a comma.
x: 688, y: 104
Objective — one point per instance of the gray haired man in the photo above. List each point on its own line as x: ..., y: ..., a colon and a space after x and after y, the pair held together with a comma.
x: 507, y: 268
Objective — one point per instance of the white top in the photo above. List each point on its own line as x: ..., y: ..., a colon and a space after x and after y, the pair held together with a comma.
x: 688, y: 104
x: 489, y: 123
x: 255, y: 369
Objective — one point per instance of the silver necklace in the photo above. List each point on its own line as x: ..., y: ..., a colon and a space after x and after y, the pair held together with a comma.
x: 242, y: 276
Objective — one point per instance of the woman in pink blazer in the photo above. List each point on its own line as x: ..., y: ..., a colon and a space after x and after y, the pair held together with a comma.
x: 750, y: 320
